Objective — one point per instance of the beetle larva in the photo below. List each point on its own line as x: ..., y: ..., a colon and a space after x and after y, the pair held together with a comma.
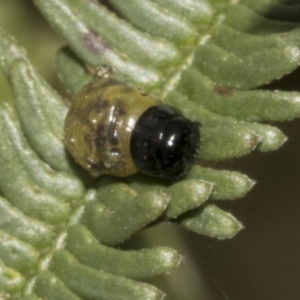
x: 115, y: 129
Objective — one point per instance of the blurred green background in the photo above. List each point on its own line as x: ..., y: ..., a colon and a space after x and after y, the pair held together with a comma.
x: 263, y: 261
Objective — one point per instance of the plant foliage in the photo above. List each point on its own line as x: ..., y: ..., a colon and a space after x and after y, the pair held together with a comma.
x: 207, y: 58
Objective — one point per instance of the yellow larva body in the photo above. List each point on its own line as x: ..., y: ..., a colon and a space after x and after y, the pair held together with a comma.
x: 99, y: 124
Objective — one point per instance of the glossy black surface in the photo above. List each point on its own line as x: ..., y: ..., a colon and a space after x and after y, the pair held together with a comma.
x: 164, y: 143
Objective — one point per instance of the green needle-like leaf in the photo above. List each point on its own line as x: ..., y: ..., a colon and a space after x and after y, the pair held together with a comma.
x: 48, y: 286
x: 187, y: 195
x: 213, y: 222
x: 192, y: 10
x: 93, y: 47
x: 10, y: 280
x: 247, y: 20
x: 115, y: 226
x: 256, y: 105
x: 234, y: 71
x: 68, y: 63
x: 227, y: 185
x: 140, y: 264
x: 151, y: 18
x: 92, y: 284
x: 23, y: 191
x: 16, y: 254
x: 17, y: 224
x: 29, y: 297
x: 113, y: 29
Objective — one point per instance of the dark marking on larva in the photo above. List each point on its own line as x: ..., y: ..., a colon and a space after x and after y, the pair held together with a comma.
x: 100, y: 105
x: 98, y: 137
x: 101, y: 127
x: 95, y: 166
x: 95, y: 43
x: 120, y: 109
x: 143, y: 94
x: 223, y: 91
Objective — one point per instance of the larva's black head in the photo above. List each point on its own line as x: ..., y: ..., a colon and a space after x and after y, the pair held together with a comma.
x: 164, y: 143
